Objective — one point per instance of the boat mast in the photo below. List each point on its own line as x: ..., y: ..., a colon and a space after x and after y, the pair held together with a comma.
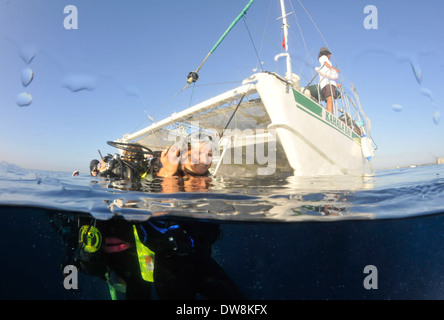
x: 285, y: 42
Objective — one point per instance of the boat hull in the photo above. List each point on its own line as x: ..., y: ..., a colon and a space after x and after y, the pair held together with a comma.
x: 315, y: 142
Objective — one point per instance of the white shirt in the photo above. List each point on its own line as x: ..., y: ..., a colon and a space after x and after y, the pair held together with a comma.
x: 322, y: 80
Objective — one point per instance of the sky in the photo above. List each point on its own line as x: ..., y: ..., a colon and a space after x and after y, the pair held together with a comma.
x: 125, y: 60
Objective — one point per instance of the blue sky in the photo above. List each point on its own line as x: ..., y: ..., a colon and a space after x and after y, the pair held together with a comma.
x: 127, y: 58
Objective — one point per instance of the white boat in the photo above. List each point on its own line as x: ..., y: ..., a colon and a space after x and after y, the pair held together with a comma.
x: 272, y: 125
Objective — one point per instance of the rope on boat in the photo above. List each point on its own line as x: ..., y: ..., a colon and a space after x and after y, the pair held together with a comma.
x: 193, y: 75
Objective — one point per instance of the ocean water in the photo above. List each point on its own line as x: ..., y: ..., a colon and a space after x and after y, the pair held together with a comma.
x: 374, y: 237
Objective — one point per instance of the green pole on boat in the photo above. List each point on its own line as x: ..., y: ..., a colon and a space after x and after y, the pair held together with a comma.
x: 192, y: 76
x: 232, y: 25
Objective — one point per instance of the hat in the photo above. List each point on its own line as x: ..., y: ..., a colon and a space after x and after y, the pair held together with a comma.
x: 93, y: 164
x: 324, y: 50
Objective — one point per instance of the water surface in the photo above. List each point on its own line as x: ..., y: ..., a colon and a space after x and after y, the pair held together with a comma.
x: 280, y: 238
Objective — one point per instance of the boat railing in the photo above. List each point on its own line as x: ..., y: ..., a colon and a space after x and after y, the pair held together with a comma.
x: 344, y: 108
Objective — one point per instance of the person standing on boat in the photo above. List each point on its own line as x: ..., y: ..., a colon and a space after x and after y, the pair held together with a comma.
x: 327, y: 85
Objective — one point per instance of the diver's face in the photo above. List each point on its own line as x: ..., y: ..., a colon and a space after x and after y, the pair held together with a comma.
x: 94, y: 172
x: 199, y: 158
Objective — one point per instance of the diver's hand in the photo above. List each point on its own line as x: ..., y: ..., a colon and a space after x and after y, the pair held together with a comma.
x: 103, y: 166
x: 170, y: 161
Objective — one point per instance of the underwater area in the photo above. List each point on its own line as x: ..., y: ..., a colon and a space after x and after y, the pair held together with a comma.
x: 374, y: 237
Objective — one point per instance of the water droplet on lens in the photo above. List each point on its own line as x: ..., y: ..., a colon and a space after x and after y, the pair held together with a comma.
x: 417, y: 72
x: 397, y: 107
x: 436, y: 117
x: 24, y: 99
x: 27, y: 75
x: 78, y: 82
x: 28, y: 53
x: 427, y: 93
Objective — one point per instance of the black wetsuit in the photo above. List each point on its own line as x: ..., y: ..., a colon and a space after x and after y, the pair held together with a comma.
x: 124, y: 263
x: 183, y: 264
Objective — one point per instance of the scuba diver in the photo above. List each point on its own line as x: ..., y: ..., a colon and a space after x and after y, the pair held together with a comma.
x: 192, y: 157
x: 183, y: 265
x: 107, y: 249
x: 134, y: 162
x: 145, y: 169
